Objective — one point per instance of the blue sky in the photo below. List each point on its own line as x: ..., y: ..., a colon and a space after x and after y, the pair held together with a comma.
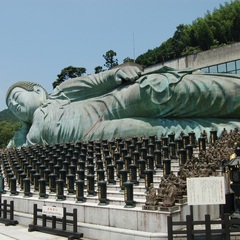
x: 39, y: 38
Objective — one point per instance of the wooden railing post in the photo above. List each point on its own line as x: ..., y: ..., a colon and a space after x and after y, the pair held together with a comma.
x: 170, y: 227
x: 227, y: 226
x: 75, y: 220
x: 35, y: 214
x: 189, y: 220
x: 5, y: 209
x: 11, y: 210
x: 64, y: 219
x: 208, y: 227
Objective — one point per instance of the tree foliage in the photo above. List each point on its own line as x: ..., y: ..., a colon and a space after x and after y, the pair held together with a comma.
x: 98, y: 69
x: 128, y: 59
x: 110, y: 59
x: 69, y: 72
x: 9, y: 124
x: 216, y: 29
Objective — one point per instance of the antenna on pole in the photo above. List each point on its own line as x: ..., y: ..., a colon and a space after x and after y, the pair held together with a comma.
x: 133, y: 48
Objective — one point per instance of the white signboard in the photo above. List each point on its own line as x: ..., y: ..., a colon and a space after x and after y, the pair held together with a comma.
x: 206, y: 190
x: 52, y: 211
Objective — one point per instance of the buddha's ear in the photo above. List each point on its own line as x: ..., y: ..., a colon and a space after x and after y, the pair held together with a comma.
x: 39, y: 90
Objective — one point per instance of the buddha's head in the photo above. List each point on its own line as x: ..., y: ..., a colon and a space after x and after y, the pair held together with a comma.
x: 23, y: 98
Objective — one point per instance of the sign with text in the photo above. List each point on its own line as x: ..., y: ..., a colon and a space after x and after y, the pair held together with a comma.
x: 52, y: 211
x: 206, y: 190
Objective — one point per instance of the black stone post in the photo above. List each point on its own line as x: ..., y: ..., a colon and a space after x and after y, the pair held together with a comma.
x: 90, y: 185
x: 135, y: 157
x: 119, y: 166
x: 13, y: 186
x: 72, y: 169
x: 102, y: 192
x: 182, y: 156
x: 165, y: 151
x: 63, y: 175
x: 70, y: 183
x: 108, y: 160
x: 192, y: 138
x: 213, y: 137
x: 189, y: 149
x: 80, y: 191
x: 166, y: 167
x: 164, y: 141
x: 20, y: 171
x: 110, y: 174
x: 150, y: 162
x: 32, y: 172
x: 150, y: 149
x: 52, y: 182
x: 148, y: 178
x: 60, y: 189
x: 128, y: 160
x: 100, y: 175
x: 10, y: 175
x: 171, y: 137
x: 133, y: 173
x: 42, y: 188
x: 172, y: 150
x: 158, y: 145
x: 128, y: 194
x: 141, y: 167
x: 29, y: 168
x: 46, y: 175
x: 116, y: 156
x: 22, y: 176
x: 185, y: 139
x: 158, y: 158
x: 41, y: 169
x: 138, y: 145
x: 37, y: 176
x: 26, y: 187
x: 152, y: 139
x: 90, y: 168
x: 81, y: 174
x: 202, y: 144
x: 123, y: 178
x: 179, y: 144
x: 143, y: 152
x: 99, y: 163
x: 56, y: 170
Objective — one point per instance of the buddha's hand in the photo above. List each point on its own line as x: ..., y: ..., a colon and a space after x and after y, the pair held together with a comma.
x: 127, y: 74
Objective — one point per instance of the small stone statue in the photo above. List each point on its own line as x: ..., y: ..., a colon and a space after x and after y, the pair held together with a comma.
x: 151, y: 196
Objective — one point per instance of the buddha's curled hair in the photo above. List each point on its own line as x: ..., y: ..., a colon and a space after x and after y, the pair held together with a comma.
x: 28, y: 86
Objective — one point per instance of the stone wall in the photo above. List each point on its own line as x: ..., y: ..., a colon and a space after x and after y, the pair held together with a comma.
x: 204, y: 59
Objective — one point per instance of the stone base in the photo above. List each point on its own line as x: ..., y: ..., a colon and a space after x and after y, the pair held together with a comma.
x: 181, y: 200
x: 150, y: 207
x: 168, y: 209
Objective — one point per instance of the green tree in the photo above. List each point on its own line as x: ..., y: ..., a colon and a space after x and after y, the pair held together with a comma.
x: 203, y: 34
x: 98, y: 69
x: 128, y: 59
x: 216, y: 29
x: 110, y: 59
x: 7, y: 130
x: 69, y: 72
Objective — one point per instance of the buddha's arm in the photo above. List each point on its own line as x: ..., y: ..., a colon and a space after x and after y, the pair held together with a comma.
x: 95, y: 85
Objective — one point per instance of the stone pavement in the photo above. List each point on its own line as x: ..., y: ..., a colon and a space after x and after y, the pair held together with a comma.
x: 20, y: 232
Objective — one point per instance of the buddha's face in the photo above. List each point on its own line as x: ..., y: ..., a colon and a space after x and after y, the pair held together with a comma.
x: 23, y: 103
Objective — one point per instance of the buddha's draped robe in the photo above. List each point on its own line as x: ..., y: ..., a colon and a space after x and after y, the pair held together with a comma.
x: 99, y: 106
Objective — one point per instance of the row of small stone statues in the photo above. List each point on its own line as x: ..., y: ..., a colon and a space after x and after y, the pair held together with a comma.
x: 173, y: 188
